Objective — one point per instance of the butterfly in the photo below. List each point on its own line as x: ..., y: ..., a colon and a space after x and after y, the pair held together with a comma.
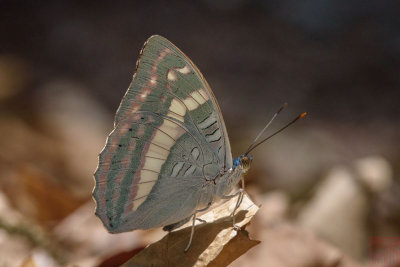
x: 169, y: 155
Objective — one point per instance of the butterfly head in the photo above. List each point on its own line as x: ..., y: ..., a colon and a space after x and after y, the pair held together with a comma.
x: 243, y: 162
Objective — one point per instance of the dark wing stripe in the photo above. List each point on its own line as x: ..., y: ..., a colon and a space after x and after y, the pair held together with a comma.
x: 153, y: 157
x: 141, y: 197
x: 190, y: 170
x: 177, y: 168
x: 216, y: 140
x: 210, y: 125
x: 146, y: 182
x: 208, y: 121
x: 149, y: 170
x: 207, y: 135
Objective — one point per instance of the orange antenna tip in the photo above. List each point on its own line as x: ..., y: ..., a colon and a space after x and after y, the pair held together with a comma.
x: 302, y: 115
x: 280, y: 130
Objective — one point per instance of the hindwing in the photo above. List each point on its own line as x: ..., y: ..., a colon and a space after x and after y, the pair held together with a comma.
x: 169, y: 136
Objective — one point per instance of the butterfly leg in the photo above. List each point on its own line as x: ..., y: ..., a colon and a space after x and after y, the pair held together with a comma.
x: 240, y: 194
x: 193, y: 223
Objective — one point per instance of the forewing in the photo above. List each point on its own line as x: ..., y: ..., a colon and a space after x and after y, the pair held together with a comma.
x: 164, y: 67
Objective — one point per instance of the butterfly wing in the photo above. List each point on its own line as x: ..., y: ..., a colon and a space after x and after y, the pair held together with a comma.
x: 169, y: 137
x: 174, y: 74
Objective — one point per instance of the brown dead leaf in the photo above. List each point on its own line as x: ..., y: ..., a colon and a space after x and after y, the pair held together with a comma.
x: 288, y: 245
x: 215, y: 243
x: 34, y: 178
x: 39, y: 196
x: 29, y: 262
x: 38, y: 259
x: 239, y: 245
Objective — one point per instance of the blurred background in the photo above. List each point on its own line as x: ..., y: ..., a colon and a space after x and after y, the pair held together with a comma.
x: 65, y: 65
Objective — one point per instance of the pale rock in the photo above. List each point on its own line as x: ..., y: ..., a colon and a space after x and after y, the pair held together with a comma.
x: 375, y: 172
x: 286, y: 245
x: 338, y: 210
x: 274, y: 208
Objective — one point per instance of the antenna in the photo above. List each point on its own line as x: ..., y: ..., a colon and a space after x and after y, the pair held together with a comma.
x: 266, y: 126
x: 280, y: 130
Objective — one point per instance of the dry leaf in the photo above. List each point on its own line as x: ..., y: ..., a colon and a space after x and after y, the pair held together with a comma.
x: 215, y: 243
x: 29, y: 262
x: 288, y: 245
x: 39, y: 259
